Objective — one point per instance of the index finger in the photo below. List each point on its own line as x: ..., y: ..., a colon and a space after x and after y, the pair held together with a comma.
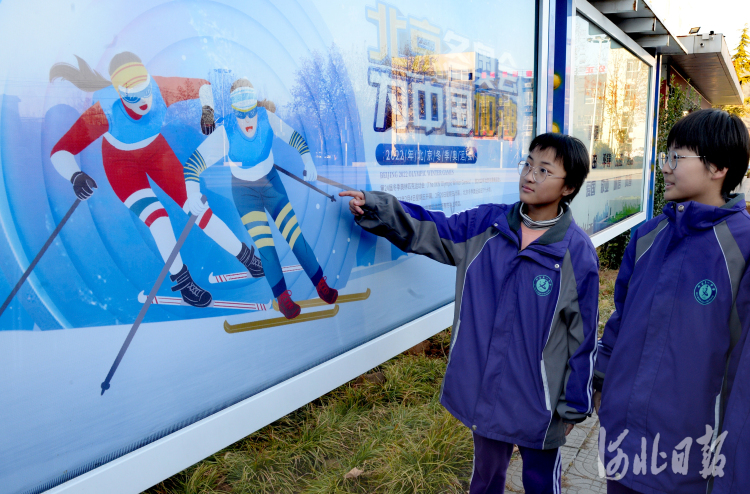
x: 357, y: 194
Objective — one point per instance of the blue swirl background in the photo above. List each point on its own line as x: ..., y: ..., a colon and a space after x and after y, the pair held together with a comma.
x: 105, y: 256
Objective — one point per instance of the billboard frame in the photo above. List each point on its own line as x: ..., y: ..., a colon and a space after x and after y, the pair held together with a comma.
x: 590, y: 12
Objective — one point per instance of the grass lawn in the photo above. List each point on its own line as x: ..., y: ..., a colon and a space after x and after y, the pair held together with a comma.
x: 384, y: 432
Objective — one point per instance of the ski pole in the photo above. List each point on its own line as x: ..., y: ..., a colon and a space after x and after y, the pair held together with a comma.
x: 295, y: 177
x: 150, y: 299
x: 335, y: 184
x: 39, y: 256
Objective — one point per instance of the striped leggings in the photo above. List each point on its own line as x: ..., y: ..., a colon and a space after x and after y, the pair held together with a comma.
x: 252, y: 200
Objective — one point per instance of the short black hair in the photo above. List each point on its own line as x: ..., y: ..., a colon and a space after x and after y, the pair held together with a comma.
x: 572, y: 152
x: 720, y: 138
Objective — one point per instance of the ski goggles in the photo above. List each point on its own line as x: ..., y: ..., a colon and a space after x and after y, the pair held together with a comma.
x: 243, y: 99
x: 246, y: 114
x: 136, y: 96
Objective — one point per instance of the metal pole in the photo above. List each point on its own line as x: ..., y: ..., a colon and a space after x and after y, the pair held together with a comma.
x: 150, y: 299
x: 39, y: 256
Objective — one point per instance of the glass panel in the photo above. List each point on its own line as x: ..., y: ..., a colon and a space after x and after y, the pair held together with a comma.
x: 609, y: 114
x: 431, y: 101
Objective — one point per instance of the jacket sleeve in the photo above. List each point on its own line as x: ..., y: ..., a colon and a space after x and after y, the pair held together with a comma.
x: 286, y: 133
x: 89, y: 127
x: 412, y: 228
x: 211, y: 150
x: 736, y: 447
x: 176, y: 89
x: 612, y: 329
x: 575, y: 403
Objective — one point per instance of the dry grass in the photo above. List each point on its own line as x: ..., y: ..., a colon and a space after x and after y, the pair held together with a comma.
x: 388, y: 424
x: 394, y: 430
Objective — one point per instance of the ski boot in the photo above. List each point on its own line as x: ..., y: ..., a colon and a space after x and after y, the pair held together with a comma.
x: 287, y: 306
x: 252, y: 262
x: 191, y: 293
x: 325, y: 292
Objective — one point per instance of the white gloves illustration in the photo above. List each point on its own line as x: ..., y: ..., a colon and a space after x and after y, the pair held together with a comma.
x: 311, y: 173
x: 194, y: 204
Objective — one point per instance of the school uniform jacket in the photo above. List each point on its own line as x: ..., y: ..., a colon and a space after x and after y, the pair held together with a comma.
x: 669, y: 355
x: 524, y: 330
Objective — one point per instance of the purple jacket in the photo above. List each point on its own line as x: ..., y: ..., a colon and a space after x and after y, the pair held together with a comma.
x: 669, y: 355
x: 524, y: 330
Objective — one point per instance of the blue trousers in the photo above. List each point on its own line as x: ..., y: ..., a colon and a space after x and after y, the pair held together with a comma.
x: 252, y: 199
x: 617, y: 488
x: 541, y: 468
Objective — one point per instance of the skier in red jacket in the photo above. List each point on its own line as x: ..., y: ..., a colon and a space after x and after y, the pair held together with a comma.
x: 129, y: 111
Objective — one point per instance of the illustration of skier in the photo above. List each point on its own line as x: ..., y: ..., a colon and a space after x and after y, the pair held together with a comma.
x: 257, y: 188
x: 129, y: 111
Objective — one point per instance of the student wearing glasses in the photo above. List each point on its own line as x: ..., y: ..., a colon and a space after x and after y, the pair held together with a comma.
x: 524, y: 331
x: 672, y: 370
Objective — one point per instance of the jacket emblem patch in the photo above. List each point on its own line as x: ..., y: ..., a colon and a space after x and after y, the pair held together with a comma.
x: 542, y: 285
x: 705, y: 292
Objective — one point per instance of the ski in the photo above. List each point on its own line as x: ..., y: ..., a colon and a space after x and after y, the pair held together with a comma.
x: 316, y: 302
x: 280, y: 321
x: 216, y: 304
x: 223, y: 278
x: 303, y: 317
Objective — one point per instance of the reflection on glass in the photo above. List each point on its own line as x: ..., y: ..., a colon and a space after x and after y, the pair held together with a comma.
x: 268, y: 112
x: 443, y: 100
x: 610, y: 106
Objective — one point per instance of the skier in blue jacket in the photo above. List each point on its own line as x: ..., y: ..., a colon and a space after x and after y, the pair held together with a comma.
x: 669, y: 355
x: 524, y: 330
x: 247, y: 139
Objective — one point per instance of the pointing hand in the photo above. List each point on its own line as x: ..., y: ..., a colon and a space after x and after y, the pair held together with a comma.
x: 358, y: 200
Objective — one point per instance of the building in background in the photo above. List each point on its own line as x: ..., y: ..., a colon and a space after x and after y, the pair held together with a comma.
x: 623, y: 58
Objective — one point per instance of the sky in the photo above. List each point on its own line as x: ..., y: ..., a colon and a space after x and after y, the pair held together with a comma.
x: 721, y: 16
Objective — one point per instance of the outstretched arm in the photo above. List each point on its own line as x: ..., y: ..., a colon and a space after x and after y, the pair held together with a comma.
x: 412, y: 228
x: 287, y: 134
x: 176, y: 89
x: 90, y: 126
x: 211, y: 150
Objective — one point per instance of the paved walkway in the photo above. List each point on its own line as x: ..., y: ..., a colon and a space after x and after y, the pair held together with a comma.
x: 579, y: 456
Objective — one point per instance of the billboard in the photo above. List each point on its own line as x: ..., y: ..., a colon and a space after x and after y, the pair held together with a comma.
x: 171, y: 238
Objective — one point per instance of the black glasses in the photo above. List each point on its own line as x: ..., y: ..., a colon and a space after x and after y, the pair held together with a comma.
x: 671, y: 159
x: 540, y: 173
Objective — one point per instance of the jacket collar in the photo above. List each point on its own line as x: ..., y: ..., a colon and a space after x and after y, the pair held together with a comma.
x: 554, y: 242
x: 691, y: 216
